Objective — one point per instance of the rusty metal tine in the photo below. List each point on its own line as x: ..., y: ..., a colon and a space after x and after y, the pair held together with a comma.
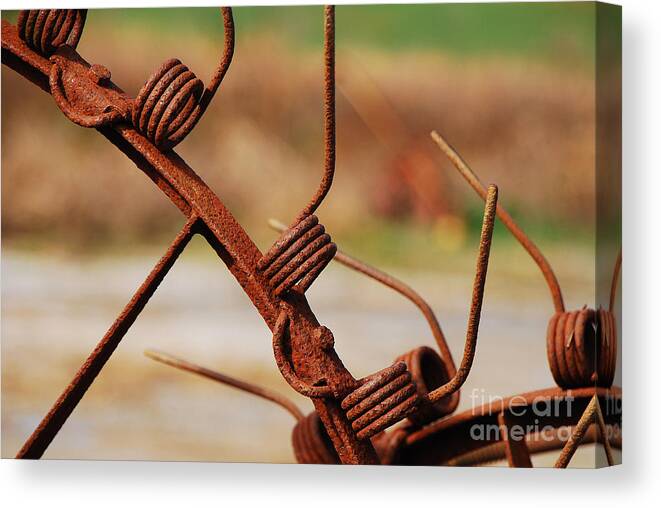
x: 587, y: 418
x: 616, y: 278
x: 239, y: 384
x: 51, y: 424
x: 476, y: 301
x: 601, y: 424
x: 525, y: 241
x: 400, y: 287
x: 329, y: 116
x: 225, y: 61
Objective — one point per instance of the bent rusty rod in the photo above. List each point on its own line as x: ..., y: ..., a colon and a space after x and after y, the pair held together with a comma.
x: 591, y: 413
x: 525, y: 241
x: 51, y: 424
x: 476, y: 301
x: 616, y: 277
x: 328, y: 114
x: 258, y: 391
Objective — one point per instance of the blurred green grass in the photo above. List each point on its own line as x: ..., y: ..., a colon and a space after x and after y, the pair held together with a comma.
x: 524, y: 30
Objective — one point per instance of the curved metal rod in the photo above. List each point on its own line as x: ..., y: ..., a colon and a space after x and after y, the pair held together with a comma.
x: 279, y: 332
x: 259, y: 391
x: 329, y: 116
x: 225, y: 61
x: 476, y: 301
x: 217, y: 78
x: 616, y: 277
x: 35, y: 446
x: 98, y: 120
x: 532, y: 249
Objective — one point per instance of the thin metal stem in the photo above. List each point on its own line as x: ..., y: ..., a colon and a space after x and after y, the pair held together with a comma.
x: 225, y: 61
x: 616, y: 278
x: 532, y: 249
x: 592, y: 412
x: 51, y: 424
x: 476, y: 302
x: 258, y: 391
x: 329, y: 115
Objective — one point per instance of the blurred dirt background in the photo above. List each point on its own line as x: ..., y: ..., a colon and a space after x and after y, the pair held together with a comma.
x: 510, y: 85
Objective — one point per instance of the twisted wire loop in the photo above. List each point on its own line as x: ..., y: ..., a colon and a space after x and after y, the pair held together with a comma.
x: 311, y: 442
x: 582, y: 348
x: 428, y: 372
x: 381, y: 400
x: 173, y: 99
x: 298, y: 256
x: 47, y: 29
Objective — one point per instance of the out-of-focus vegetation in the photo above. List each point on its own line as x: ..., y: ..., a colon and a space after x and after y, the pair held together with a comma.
x: 533, y: 30
x: 510, y: 85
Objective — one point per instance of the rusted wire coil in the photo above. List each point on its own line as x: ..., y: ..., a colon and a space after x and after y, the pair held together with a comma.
x: 298, y: 256
x: 381, y: 401
x: 428, y: 372
x: 582, y: 348
x: 166, y: 106
x: 173, y: 99
x: 311, y: 442
x: 46, y: 29
x: 388, y: 445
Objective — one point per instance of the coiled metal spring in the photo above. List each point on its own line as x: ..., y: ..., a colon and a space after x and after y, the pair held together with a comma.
x: 298, y: 256
x: 166, y: 107
x: 582, y: 348
x: 381, y: 401
x: 311, y: 442
x: 47, y: 29
x: 428, y: 372
x: 173, y: 99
